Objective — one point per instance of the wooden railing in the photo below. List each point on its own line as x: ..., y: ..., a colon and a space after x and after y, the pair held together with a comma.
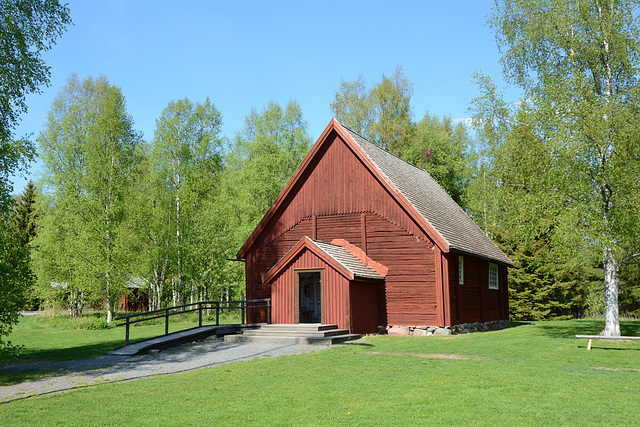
x: 197, y: 306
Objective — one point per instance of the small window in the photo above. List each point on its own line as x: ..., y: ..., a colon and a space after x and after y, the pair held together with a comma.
x: 493, y: 276
x: 461, y: 270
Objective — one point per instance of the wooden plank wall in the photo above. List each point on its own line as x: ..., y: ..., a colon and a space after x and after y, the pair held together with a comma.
x: 408, y: 294
x: 364, y: 307
x: 474, y: 301
x: 335, y: 292
x: 336, y: 182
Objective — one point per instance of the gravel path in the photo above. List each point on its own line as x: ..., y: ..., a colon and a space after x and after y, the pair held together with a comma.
x: 98, y: 370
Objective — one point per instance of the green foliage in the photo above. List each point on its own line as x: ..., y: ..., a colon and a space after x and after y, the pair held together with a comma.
x: 29, y: 28
x: 24, y: 218
x: 15, y: 277
x: 381, y: 114
x: 443, y: 150
x: 630, y: 291
x: 179, y: 183
x: 577, y: 63
x: 89, y: 150
x: 563, y: 163
x: 23, y: 222
x: 542, y: 286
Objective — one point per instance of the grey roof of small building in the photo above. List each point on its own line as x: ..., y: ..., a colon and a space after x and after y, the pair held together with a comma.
x: 348, y: 260
x: 433, y: 203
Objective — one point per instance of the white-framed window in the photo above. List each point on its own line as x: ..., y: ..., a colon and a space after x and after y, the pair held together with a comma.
x: 460, y: 269
x: 493, y: 276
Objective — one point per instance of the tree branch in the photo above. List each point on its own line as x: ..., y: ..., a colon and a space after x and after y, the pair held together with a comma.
x: 624, y: 261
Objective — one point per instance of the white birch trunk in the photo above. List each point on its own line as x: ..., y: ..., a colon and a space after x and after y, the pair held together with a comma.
x: 610, y: 265
x: 611, y: 282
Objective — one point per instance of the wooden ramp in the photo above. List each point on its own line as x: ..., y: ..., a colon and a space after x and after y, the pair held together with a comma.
x: 180, y: 337
x: 301, y: 333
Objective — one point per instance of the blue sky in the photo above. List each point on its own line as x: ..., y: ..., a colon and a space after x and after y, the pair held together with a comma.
x: 242, y: 54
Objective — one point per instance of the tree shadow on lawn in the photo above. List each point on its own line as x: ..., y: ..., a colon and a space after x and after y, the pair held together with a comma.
x: 571, y: 328
x: 28, y: 355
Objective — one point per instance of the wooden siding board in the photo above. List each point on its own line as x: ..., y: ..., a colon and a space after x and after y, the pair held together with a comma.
x: 333, y: 295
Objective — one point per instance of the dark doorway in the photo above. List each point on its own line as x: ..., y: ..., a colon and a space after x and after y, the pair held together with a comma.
x: 310, y: 296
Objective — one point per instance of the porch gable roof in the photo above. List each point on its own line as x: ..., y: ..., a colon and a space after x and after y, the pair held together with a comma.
x: 338, y: 257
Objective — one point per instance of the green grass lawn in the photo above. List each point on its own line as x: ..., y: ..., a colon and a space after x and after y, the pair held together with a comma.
x: 58, y: 338
x: 530, y: 374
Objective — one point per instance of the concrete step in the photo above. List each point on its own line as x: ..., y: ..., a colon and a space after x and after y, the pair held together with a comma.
x: 299, y: 326
x: 291, y: 339
x: 292, y: 332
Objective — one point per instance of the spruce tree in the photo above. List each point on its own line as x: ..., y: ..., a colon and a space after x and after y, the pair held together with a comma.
x: 24, y: 219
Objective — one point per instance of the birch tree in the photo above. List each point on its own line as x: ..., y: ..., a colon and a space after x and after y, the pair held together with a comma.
x: 88, y: 147
x: 577, y: 64
x: 27, y: 29
x: 262, y: 158
x: 381, y: 114
x: 185, y: 162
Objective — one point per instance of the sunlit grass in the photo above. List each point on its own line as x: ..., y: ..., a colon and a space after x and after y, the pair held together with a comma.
x: 530, y: 374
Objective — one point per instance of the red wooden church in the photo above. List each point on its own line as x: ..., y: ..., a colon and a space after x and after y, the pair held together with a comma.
x: 360, y: 238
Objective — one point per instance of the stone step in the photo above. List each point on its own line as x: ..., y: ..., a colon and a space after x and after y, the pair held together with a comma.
x: 291, y: 339
x: 295, y: 332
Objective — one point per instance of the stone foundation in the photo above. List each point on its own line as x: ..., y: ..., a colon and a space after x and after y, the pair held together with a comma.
x: 425, y: 331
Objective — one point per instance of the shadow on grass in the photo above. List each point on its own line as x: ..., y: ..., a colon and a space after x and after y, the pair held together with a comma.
x: 8, y: 378
x: 357, y: 344
x: 571, y: 328
x: 515, y: 324
x: 69, y: 353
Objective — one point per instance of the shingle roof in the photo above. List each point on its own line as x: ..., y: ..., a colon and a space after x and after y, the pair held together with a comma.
x: 433, y: 203
x: 348, y: 260
x: 339, y: 257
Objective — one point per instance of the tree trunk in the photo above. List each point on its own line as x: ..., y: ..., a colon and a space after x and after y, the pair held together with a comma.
x: 174, y: 292
x: 75, y: 303
x: 155, y: 291
x: 611, y: 281
x: 109, y: 310
x: 108, y: 295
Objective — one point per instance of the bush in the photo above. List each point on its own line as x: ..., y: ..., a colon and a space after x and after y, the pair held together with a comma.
x: 88, y: 321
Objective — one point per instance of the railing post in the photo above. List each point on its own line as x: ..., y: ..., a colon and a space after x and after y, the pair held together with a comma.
x: 269, y: 310
x: 126, y: 336
x: 166, y: 322
x: 200, y: 314
x: 242, y: 308
x: 217, y: 313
